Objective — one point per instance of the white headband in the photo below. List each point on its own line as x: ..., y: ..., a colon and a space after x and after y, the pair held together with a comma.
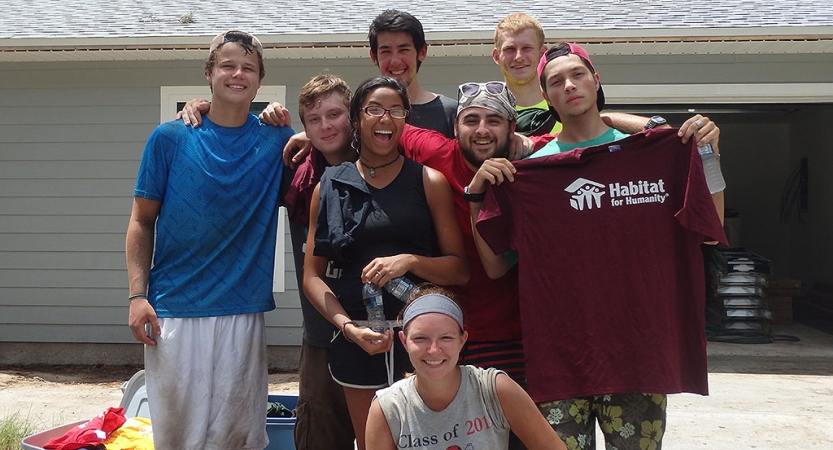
x: 433, y: 303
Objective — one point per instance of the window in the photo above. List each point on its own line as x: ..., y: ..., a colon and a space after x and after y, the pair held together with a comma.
x: 173, y: 98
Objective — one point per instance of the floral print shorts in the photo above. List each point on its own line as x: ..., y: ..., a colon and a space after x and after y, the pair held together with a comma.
x: 631, y: 421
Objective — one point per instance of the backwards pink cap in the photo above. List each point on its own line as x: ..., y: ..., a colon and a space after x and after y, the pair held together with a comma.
x: 565, y: 49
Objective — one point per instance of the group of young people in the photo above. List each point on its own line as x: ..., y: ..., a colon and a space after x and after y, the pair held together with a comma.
x: 394, y: 186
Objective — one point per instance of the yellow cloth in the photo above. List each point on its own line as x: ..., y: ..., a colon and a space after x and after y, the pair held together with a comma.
x: 135, y: 434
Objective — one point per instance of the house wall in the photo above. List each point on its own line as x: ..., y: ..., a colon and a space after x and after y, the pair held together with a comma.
x: 72, y: 134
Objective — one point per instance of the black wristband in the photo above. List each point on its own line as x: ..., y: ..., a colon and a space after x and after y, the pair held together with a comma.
x: 473, y: 198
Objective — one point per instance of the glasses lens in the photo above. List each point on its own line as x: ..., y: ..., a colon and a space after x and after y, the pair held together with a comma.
x: 495, y: 87
x: 470, y: 89
x: 398, y: 113
x: 374, y: 111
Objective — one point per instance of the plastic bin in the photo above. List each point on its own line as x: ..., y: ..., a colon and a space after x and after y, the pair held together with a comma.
x: 281, y: 430
x: 135, y: 403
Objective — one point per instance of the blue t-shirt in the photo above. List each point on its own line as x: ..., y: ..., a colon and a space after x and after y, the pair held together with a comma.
x: 554, y: 146
x: 215, y: 235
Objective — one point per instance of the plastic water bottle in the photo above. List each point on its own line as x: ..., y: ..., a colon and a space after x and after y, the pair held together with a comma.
x: 400, y: 287
x: 714, y: 177
x: 374, y: 304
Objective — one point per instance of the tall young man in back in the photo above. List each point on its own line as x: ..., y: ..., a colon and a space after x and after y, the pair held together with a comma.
x: 205, y: 213
x: 398, y: 48
x: 519, y: 44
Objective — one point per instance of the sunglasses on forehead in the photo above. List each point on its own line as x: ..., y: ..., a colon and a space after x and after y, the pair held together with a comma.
x: 471, y: 89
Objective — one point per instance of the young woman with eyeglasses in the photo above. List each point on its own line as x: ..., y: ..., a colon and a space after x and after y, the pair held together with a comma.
x: 374, y: 220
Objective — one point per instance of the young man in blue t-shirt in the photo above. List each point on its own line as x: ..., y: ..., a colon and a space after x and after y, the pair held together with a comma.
x: 200, y: 256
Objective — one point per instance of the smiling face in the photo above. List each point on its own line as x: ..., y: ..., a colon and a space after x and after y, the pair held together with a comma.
x: 433, y: 342
x: 570, y: 87
x: 518, y: 55
x: 482, y: 134
x: 327, y: 124
x: 235, y: 76
x: 397, y: 57
x: 380, y: 135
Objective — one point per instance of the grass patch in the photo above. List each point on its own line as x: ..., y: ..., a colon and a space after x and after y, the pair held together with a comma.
x: 15, y: 427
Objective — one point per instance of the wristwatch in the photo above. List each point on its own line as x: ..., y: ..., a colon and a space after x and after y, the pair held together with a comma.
x: 654, y: 122
x: 473, y: 198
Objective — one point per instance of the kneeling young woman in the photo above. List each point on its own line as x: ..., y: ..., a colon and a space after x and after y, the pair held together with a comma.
x: 446, y: 406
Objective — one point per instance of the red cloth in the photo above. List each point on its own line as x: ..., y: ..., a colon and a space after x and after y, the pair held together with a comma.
x: 303, y: 184
x: 612, y: 295
x: 91, y: 433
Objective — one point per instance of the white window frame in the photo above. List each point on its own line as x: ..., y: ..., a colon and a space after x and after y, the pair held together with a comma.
x: 171, y: 95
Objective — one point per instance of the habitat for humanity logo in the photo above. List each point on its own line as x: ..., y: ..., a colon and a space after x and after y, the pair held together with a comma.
x: 588, y: 194
x: 585, y: 193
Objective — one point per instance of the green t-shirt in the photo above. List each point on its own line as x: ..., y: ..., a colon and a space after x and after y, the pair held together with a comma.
x: 554, y: 146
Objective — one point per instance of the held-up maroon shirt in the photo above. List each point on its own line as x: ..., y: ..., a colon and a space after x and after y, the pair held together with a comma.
x: 610, y: 266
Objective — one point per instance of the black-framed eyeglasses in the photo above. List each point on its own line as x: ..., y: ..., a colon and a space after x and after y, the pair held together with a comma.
x: 378, y: 111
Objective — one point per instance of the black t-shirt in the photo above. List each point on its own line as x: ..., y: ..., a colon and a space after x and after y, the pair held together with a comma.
x: 437, y: 115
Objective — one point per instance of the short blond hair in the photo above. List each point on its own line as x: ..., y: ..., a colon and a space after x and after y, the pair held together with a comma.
x: 517, y: 22
x: 319, y: 87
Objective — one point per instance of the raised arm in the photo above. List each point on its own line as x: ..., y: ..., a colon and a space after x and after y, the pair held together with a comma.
x: 624, y: 122
x: 492, y: 171
x: 705, y: 132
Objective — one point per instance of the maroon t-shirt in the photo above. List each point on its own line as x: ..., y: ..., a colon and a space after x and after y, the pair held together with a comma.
x: 491, y: 306
x: 612, y: 292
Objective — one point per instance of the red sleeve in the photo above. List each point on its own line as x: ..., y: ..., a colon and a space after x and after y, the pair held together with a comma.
x: 420, y: 144
x: 542, y: 140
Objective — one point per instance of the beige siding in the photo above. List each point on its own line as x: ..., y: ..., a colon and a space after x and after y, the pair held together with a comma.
x: 72, y: 134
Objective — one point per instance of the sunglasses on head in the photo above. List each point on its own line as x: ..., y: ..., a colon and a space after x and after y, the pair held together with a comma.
x: 471, y: 89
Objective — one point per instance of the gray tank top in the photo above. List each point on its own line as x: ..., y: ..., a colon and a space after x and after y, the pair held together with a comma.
x: 473, y: 421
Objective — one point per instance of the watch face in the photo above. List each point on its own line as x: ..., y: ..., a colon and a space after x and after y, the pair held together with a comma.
x: 654, y: 122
